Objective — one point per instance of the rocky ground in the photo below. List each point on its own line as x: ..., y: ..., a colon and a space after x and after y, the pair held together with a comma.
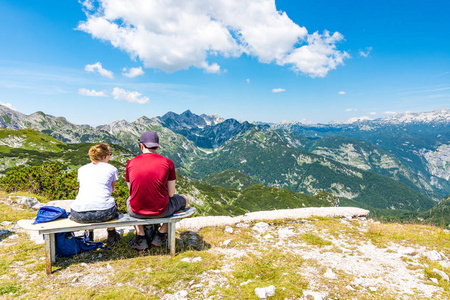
x: 336, y: 259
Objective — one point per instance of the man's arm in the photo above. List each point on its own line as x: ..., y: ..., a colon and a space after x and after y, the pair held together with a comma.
x: 171, y: 188
x: 128, y: 185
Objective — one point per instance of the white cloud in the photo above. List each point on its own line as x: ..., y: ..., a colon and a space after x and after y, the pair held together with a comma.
x: 390, y: 112
x: 317, y: 57
x: 129, y: 96
x: 173, y: 35
x: 278, y: 90
x: 357, y: 119
x: 373, y: 113
x: 97, y: 67
x: 213, y: 68
x: 132, y: 72
x: 365, y: 52
x: 91, y: 93
x: 341, y: 93
x: 248, y: 80
x: 351, y: 109
x: 8, y: 105
x: 87, y: 4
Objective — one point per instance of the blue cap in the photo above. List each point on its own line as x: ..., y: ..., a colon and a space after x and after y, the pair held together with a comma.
x: 150, y: 139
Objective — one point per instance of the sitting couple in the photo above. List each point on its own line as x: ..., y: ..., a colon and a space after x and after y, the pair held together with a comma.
x: 150, y: 178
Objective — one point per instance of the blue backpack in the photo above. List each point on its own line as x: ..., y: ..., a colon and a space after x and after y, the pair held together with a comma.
x: 50, y: 213
x: 67, y: 244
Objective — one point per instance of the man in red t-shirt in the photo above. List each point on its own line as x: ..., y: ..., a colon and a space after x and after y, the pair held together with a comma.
x: 151, y: 180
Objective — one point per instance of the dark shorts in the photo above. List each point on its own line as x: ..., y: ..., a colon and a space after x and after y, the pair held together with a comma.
x: 176, y: 203
x: 94, y: 216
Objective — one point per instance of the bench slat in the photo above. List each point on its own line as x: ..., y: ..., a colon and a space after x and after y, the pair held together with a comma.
x: 63, y: 225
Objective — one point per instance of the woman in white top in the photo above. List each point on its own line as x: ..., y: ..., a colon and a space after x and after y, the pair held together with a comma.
x: 94, y: 203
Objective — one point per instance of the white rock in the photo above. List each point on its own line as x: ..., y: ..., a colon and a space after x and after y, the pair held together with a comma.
x: 265, y: 292
x: 315, y: 295
x: 183, y: 293
x: 268, y: 236
x: 261, y: 227
x: 27, y: 201
x: 226, y: 242
x: 261, y: 293
x: 434, y: 280
x: 270, y: 291
x: 228, y: 229
x: 285, y: 233
x: 433, y: 255
x: 372, y: 289
x: 329, y: 274
x: 245, y: 282
x: 192, y: 259
x: 441, y: 273
x: 6, y: 223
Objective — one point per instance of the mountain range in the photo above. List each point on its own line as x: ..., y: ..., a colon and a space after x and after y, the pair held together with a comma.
x: 400, y: 162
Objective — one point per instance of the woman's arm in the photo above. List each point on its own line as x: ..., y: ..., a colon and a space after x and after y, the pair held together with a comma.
x: 113, y: 185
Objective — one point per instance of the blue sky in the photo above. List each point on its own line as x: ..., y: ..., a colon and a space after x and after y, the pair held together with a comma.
x: 256, y: 60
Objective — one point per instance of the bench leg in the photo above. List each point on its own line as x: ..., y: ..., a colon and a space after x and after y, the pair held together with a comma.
x: 172, y: 238
x: 49, y: 252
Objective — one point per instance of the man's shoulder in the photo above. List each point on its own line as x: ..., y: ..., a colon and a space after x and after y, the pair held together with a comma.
x: 150, y: 156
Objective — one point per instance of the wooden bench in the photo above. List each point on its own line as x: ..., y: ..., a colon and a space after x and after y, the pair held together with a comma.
x: 64, y: 225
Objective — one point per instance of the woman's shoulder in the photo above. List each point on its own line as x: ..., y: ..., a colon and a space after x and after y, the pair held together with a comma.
x: 108, y: 166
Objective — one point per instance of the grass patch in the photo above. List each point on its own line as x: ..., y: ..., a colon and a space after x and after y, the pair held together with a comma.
x: 315, y: 240
x: 7, y: 288
x: 261, y: 270
x: 410, y: 235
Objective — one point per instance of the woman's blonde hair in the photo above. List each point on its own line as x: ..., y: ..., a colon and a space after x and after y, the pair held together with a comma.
x: 99, y: 152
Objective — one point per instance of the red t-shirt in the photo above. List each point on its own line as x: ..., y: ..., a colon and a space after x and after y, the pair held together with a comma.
x: 148, y: 174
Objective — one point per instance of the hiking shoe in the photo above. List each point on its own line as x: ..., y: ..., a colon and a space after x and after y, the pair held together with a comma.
x: 113, y: 239
x: 138, y: 244
x: 159, y: 239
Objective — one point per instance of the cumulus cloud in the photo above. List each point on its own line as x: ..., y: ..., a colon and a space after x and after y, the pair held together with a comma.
x: 132, y: 72
x: 341, y: 93
x: 87, y: 4
x: 390, y: 112
x: 173, y: 35
x: 91, y: 93
x: 278, y: 90
x: 97, y: 67
x: 129, y: 96
x: 373, y: 113
x: 365, y: 52
x: 351, y: 109
x: 8, y: 105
